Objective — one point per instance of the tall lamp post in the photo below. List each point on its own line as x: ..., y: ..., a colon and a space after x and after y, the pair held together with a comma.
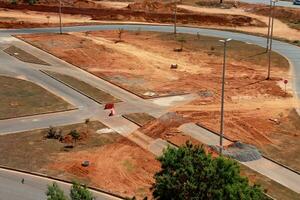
x: 273, y: 3
x: 60, y: 23
x: 175, y: 18
x: 269, y: 27
x: 222, y: 94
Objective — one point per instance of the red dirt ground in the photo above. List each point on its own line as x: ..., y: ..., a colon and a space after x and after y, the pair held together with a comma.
x: 122, y: 167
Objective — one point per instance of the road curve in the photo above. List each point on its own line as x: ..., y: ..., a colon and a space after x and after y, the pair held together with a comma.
x: 34, y: 187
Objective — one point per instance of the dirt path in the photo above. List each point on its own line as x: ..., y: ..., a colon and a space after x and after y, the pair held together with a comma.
x: 280, y: 29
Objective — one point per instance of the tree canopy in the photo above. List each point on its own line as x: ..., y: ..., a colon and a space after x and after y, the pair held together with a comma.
x: 55, y: 193
x: 190, y: 173
x: 77, y: 192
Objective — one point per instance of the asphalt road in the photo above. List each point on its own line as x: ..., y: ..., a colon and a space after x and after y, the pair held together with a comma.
x: 87, y: 108
x: 280, y: 3
x: 34, y: 187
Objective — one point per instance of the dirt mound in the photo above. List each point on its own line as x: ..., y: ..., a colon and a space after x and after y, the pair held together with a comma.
x: 152, y: 6
x: 163, y: 126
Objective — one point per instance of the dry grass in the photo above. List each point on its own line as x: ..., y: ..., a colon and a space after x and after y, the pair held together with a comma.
x: 32, y: 151
x: 95, y: 93
x: 21, y: 98
x: 139, y: 118
x: 24, y: 56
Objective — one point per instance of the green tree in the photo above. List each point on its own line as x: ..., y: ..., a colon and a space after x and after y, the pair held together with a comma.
x: 31, y: 2
x: 55, y: 193
x: 79, y: 192
x: 189, y: 173
x: 75, y: 135
x: 87, y: 122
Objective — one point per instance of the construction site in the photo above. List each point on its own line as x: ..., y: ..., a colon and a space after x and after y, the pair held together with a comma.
x: 145, y: 87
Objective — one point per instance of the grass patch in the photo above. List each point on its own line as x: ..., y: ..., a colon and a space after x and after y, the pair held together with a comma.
x: 139, y: 118
x: 32, y: 151
x: 90, y: 91
x: 271, y: 187
x: 24, y: 56
x: 21, y: 98
x: 128, y: 165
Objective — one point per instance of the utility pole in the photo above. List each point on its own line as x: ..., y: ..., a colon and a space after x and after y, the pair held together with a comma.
x: 175, y: 18
x: 269, y: 27
x: 223, y: 95
x: 60, y: 23
x: 271, y: 39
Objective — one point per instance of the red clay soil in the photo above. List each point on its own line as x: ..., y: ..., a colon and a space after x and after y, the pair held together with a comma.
x: 122, y: 168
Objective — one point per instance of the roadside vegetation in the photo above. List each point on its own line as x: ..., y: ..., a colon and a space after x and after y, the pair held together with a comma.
x: 77, y: 192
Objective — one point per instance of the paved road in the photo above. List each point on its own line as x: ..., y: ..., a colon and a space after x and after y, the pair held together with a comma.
x: 280, y: 3
x: 88, y: 108
x: 34, y: 187
x: 266, y: 167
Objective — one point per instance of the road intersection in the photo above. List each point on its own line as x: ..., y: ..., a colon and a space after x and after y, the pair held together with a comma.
x: 87, y: 108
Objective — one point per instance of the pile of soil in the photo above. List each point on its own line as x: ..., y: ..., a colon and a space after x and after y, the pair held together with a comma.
x: 164, y: 126
x: 153, y: 6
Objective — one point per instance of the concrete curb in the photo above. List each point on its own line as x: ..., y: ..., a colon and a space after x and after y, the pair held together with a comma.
x: 58, y: 179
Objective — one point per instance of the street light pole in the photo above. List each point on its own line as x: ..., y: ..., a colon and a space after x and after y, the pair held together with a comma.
x: 269, y: 26
x: 60, y: 23
x: 175, y: 18
x: 271, y: 39
x: 223, y: 95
